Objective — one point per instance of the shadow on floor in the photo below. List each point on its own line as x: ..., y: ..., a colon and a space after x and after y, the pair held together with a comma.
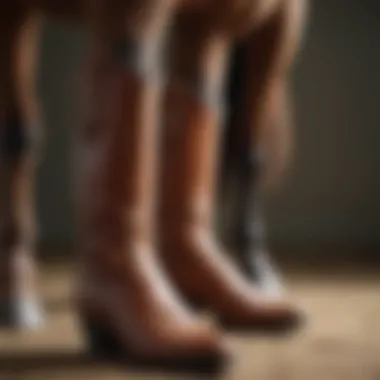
x: 79, y: 361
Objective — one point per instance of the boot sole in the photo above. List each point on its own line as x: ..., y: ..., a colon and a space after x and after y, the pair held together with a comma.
x: 267, y: 327
x: 103, y: 345
x: 261, y: 326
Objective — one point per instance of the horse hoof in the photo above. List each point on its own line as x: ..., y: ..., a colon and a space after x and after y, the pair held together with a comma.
x: 26, y: 313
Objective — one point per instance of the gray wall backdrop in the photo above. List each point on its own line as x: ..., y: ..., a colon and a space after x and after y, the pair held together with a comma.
x: 331, y: 194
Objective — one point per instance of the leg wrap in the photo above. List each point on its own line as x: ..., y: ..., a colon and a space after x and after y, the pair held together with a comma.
x: 16, y: 139
x: 249, y: 228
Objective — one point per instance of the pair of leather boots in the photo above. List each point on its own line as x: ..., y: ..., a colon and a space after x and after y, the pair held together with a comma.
x: 146, y: 217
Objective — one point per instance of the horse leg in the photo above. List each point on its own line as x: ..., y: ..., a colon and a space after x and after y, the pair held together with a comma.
x: 259, y: 129
x: 19, y: 137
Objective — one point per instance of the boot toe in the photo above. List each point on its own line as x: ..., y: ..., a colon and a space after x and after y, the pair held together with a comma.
x: 210, y: 350
x: 269, y: 318
x: 202, y: 348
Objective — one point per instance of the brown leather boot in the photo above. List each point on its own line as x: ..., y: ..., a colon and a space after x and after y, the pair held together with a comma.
x: 126, y: 304
x: 199, y: 268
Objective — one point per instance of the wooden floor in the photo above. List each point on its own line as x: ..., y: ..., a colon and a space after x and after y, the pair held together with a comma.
x: 342, y: 340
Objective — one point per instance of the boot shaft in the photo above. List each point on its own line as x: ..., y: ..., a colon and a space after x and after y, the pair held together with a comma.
x: 116, y: 156
x: 190, y: 155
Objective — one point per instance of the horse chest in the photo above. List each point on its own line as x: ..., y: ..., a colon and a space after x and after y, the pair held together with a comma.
x: 235, y: 17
